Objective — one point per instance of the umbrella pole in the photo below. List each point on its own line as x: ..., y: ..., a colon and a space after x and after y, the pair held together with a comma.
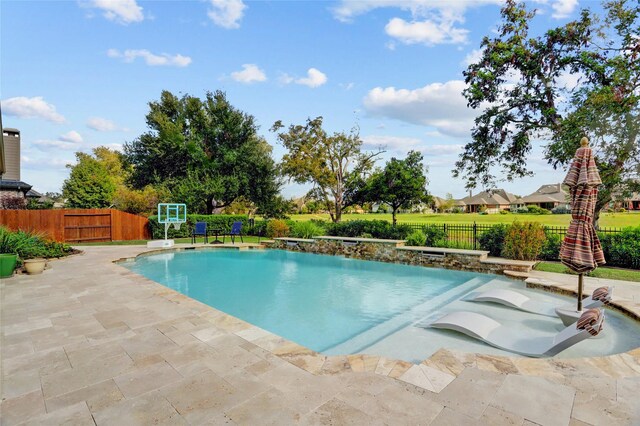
x: 580, y: 292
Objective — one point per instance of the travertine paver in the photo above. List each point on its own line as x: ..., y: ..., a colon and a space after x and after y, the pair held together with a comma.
x: 89, y: 341
x: 536, y: 399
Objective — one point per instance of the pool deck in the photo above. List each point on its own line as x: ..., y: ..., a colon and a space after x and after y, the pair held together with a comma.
x: 89, y: 342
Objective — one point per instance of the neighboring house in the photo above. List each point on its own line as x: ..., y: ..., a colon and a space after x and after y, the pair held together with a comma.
x: 14, y: 193
x: 547, y: 197
x: 633, y: 203
x: 490, y: 201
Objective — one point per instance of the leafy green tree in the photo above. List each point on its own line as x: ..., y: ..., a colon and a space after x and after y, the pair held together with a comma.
x: 401, y: 184
x: 278, y: 208
x: 334, y: 165
x: 203, y: 150
x: 89, y: 184
x: 519, y: 83
x: 447, y: 204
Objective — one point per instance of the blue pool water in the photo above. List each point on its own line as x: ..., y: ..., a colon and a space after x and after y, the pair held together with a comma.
x: 338, y: 305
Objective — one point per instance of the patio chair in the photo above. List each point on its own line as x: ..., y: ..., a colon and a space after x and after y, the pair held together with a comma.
x: 200, y: 230
x: 510, y: 339
x: 236, y: 231
x: 516, y: 300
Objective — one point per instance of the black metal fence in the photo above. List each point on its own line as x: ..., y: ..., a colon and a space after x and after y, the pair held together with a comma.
x: 465, y: 235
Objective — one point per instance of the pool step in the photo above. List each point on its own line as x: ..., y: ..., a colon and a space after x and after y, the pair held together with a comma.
x: 378, y: 332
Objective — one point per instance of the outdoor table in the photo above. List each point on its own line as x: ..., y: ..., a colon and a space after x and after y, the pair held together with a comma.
x: 216, y: 232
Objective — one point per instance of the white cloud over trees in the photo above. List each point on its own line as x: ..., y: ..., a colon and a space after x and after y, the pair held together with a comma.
x: 227, y: 13
x: 35, y: 107
x: 151, y: 59
x: 250, y: 73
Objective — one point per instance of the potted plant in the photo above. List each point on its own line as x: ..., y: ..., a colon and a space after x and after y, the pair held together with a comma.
x: 34, y: 266
x: 8, y: 256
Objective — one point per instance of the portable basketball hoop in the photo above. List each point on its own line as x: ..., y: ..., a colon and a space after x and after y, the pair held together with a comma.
x: 169, y: 214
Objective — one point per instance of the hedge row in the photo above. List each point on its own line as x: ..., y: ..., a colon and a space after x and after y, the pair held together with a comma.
x: 621, y: 249
x: 220, y: 221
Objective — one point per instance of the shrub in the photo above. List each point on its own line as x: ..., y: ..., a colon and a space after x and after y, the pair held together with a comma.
x: 457, y: 210
x: 39, y: 205
x: 623, y: 248
x: 435, y: 236
x: 537, y: 210
x: 376, y: 228
x: 561, y: 210
x: 551, y: 247
x: 523, y: 241
x: 522, y: 210
x: 29, y: 245
x: 416, y: 238
x: 306, y: 229
x: 277, y: 228
x: 220, y: 221
x: 504, y: 212
x: 13, y: 203
x: 493, y: 239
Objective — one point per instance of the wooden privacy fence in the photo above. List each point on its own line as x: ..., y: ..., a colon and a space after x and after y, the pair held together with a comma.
x: 79, y: 225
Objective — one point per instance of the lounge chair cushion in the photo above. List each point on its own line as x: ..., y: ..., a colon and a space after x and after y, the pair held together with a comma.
x: 589, y: 319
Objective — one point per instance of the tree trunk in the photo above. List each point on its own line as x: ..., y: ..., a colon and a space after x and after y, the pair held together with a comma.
x: 393, y: 215
x: 338, y: 215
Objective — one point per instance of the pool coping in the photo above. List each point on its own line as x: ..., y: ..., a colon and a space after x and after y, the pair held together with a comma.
x: 432, y: 374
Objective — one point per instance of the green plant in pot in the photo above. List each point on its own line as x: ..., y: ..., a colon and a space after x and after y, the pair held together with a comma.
x: 8, y: 255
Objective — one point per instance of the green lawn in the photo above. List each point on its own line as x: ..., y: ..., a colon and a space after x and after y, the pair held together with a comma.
x: 615, y: 220
x: 609, y: 273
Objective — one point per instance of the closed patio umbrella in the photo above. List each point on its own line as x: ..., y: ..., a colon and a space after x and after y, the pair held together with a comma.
x: 581, y: 250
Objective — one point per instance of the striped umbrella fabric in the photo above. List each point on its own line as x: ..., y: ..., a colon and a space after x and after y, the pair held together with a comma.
x: 581, y: 250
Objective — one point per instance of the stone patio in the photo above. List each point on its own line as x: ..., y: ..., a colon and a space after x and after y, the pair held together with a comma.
x: 89, y: 342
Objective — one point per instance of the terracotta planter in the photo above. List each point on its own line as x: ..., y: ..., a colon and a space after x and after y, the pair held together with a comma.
x: 35, y: 266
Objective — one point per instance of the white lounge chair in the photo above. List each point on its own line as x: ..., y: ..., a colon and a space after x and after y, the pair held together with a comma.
x: 495, y: 334
x: 516, y: 300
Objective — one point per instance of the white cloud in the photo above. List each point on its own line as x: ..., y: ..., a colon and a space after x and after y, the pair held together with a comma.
x: 72, y: 137
x: 349, y: 9
x: 393, y: 143
x: 101, y: 124
x: 563, y: 8
x: 432, y: 22
x: 39, y: 163
x: 227, y: 13
x: 250, y: 74
x: 438, y: 150
x: 285, y: 78
x: 472, y: 57
x: 121, y: 11
x: 314, y: 78
x: 150, y: 59
x: 347, y: 86
x: 35, y: 107
x: 426, y: 32
x: 439, y: 105
x: 46, y: 144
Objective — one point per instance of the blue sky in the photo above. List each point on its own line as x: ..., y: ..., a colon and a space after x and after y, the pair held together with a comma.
x: 79, y: 74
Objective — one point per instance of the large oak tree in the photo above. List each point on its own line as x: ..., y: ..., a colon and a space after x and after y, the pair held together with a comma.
x: 520, y: 86
x: 334, y: 164
x: 201, y: 151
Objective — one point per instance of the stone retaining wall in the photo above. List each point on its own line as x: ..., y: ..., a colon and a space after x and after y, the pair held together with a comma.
x: 464, y: 260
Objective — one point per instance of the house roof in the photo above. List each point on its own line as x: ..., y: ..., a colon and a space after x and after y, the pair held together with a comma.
x: 14, y: 185
x: 553, y: 193
x: 488, y: 198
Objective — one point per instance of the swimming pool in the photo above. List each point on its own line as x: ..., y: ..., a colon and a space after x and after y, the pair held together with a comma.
x: 338, y: 305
